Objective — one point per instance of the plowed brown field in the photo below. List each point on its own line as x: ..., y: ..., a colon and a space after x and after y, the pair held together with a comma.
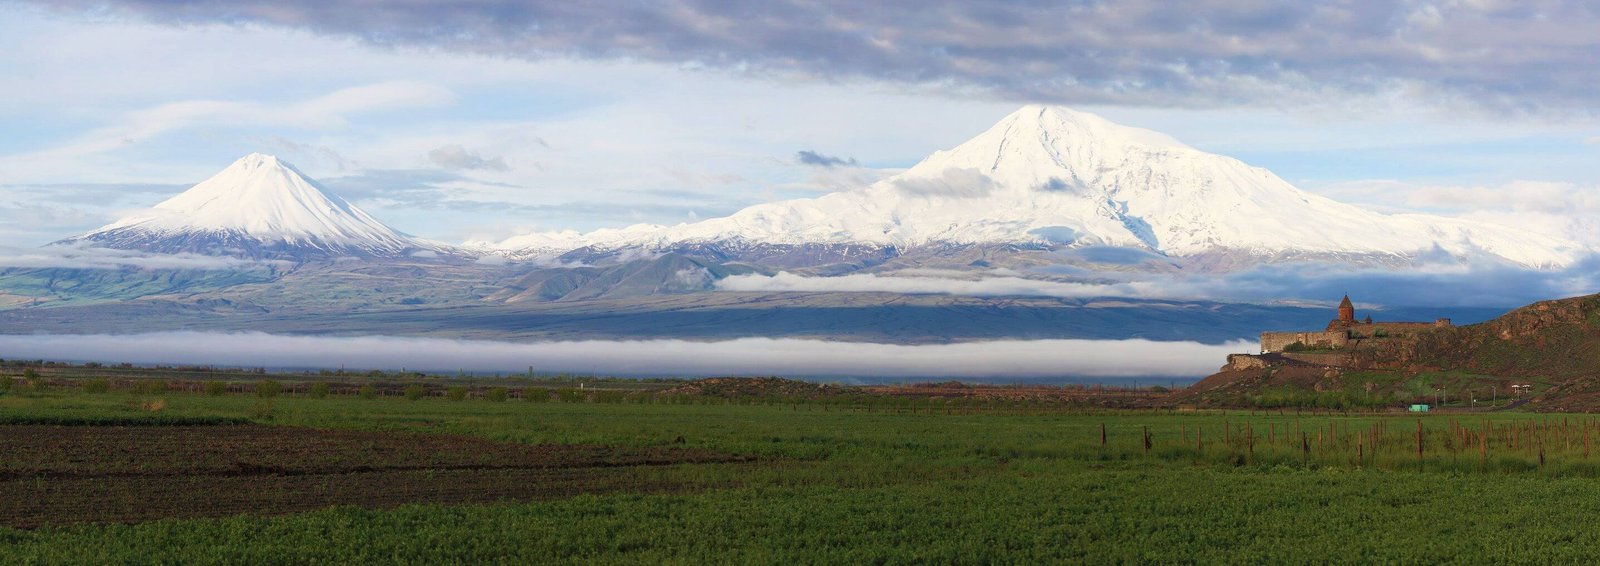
x: 78, y: 474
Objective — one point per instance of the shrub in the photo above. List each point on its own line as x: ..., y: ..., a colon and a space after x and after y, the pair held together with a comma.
x: 148, y: 387
x: 7, y: 382
x: 319, y: 390
x: 497, y: 394
x: 414, y: 392
x: 368, y: 392
x: 216, y: 388
x: 536, y: 395
x: 1295, y: 347
x: 97, y: 386
x: 35, y: 383
x: 457, y: 393
x: 268, y: 389
x: 571, y: 396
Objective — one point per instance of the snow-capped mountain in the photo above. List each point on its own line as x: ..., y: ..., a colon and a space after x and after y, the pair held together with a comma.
x: 1052, y: 177
x: 259, y: 207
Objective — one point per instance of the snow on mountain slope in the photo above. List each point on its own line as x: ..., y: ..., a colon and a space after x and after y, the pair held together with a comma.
x: 258, y: 207
x: 1052, y: 176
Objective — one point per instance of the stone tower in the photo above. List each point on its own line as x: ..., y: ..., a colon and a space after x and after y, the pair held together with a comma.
x: 1347, y: 311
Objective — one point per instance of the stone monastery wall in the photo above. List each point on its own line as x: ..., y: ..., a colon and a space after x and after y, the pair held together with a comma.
x: 1273, y: 342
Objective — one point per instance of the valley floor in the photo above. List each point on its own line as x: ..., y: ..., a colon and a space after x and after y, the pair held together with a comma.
x: 800, y: 480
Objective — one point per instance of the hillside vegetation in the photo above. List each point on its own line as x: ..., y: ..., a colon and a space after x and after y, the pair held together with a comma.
x: 1549, y: 351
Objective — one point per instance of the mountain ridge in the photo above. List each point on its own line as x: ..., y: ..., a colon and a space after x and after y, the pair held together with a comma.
x: 1054, y: 177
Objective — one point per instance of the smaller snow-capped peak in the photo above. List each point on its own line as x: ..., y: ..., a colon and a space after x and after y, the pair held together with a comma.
x: 259, y: 203
x: 263, y: 196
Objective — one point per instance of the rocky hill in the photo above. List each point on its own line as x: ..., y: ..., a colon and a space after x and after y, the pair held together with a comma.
x: 1550, y: 352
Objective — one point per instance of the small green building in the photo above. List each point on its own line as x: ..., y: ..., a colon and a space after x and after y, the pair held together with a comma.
x: 1419, y: 408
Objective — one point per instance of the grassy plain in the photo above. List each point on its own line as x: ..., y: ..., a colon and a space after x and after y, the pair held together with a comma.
x: 923, y: 481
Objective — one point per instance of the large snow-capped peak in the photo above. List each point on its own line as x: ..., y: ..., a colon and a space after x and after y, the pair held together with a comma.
x: 260, y: 206
x: 1053, y: 176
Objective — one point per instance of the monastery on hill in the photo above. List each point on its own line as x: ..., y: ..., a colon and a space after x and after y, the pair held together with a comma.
x: 1342, y: 333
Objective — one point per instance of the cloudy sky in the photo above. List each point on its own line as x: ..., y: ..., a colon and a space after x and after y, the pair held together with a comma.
x: 480, y: 119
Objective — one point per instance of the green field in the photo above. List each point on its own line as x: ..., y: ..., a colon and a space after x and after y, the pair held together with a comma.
x: 923, y: 481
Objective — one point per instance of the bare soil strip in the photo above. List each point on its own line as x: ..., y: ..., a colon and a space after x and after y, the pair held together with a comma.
x: 61, y: 475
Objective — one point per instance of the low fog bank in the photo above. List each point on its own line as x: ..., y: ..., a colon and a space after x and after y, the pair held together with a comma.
x: 1052, y: 360
x: 957, y: 284
x: 85, y: 256
x: 1441, y: 282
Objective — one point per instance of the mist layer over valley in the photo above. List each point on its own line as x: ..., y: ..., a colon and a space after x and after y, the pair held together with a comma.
x: 1047, y: 361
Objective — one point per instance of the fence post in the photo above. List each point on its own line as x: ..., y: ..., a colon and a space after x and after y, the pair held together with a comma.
x: 1419, y: 444
x: 1250, y: 439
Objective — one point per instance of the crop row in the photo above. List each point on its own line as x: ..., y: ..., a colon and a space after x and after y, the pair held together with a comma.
x: 42, y: 451
x: 27, y: 503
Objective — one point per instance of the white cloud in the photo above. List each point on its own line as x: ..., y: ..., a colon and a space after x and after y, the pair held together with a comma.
x: 692, y: 278
x: 454, y: 156
x: 748, y: 356
x: 331, y: 108
x: 926, y: 285
x: 1437, y: 281
x: 1519, y: 196
x: 329, y: 111
x: 838, y: 179
x: 959, y: 183
x: 83, y: 257
x: 1522, y: 195
x: 1553, y: 208
x: 1533, y: 57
